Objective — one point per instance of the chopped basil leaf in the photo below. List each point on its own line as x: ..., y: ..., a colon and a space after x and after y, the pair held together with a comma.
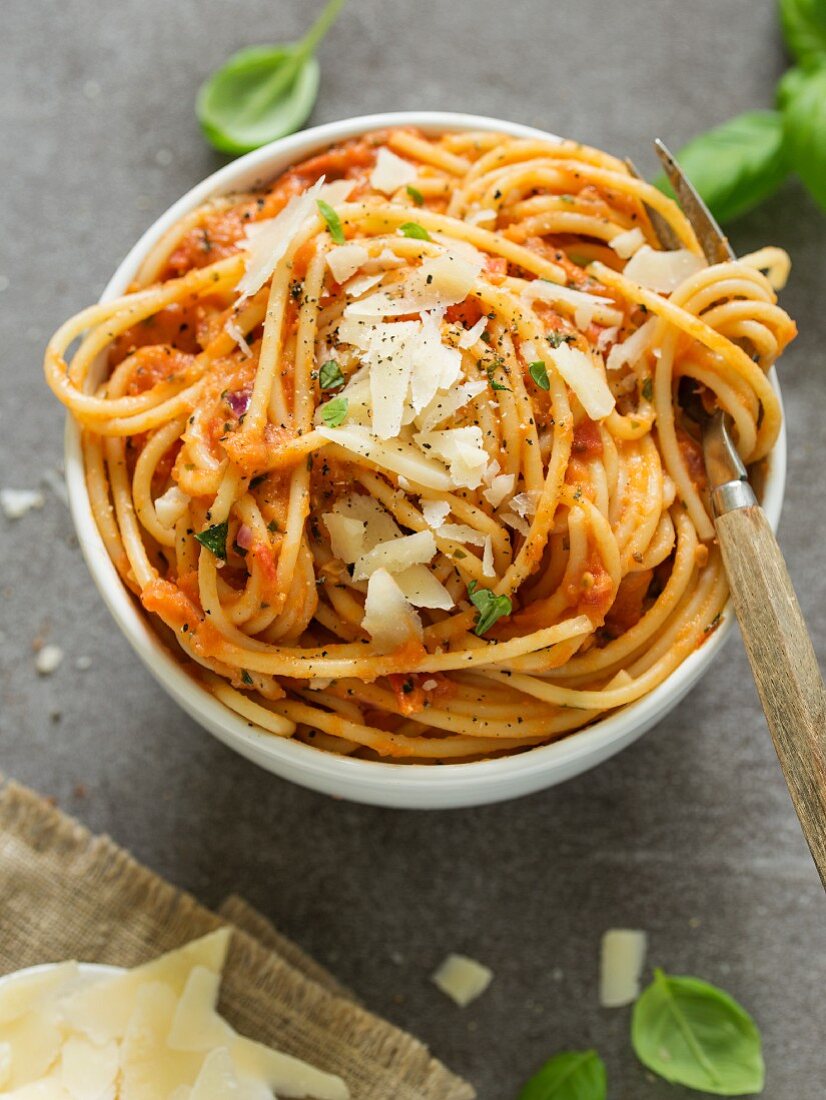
x: 335, y: 411
x: 415, y: 195
x: 556, y: 338
x: 272, y: 526
x: 215, y: 539
x: 494, y: 385
x: 491, y: 608
x: 413, y: 229
x: 245, y: 677
x: 539, y: 373
x: 330, y: 376
x: 648, y: 389
x: 333, y: 221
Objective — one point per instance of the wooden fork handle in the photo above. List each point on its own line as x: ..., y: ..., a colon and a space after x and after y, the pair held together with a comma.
x: 783, y: 662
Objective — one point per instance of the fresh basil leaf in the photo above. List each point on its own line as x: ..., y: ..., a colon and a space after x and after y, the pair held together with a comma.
x: 804, y: 123
x: 491, y: 608
x: 694, y: 1034
x: 539, y: 373
x: 789, y: 85
x: 330, y: 376
x: 804, y: 27
x: 333, y: 221
x: 215, y: 539
x: 264, y: 92
x: 335, y: 411
x: 737, y: 165
x: 415, y: 195
x: 647, y: 389
x: 572, y: 1075
x: 413, y: 229
x: 246, y: 678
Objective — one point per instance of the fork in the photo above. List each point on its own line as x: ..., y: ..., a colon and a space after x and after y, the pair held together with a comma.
x: 777, y: 641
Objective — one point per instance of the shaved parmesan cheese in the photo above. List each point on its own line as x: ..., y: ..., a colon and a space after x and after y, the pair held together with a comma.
x: 337, y: 191
x: 588, y: 307
x: 462, y: 979
x: 346, y: 536
x: 524, y: 505
x: 285, y: 1075
x: 268, y: 241
x: 103, y: 1010
x: 48, y: 659
x: 631, y: 350
x: 22, y: 993
x: 516, y: 522
x: 501, y: 485
x: 87, y: 1071
x: 232, y: 329
x: 461, y: 532
x: 606, y: 337
x: 389, y: 618
x: 47, y: 1088
x: 626, y: 244
x: 196, y: 1025
x: 581, y: 373
x: 356, y: 287
x: 623, y: 957
x: 218, y: 1081
x: 422, y: 589
x: 17, y: 502
x: 444, y: 405
x: 385, y: 261
x: 171, y: 506
x: 435, y: 512
x: 345, y: 259
x: 662, y: 271
x: 150, y: 1068
x: 5, y: 1064
x: 471, y: 335
x: 390, y: 358
x: 437, y: 283
x: 397, y: 555
x: 435, y: 366
x: 482, y: 216
x: 379, y: 525
x: 35, y: 1045
x: 461, y: 449
x: 488, y: 567
x: 391, y: 172
x: 398, y: 456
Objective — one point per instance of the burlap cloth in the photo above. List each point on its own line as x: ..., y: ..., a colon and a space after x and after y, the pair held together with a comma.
x: 65, y: 893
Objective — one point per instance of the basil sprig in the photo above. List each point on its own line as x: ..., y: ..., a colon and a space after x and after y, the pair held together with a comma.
x: 804, y: 27
x: 330, y: 376
x: 490, y: 607
x: 264, y: 92
x: 333, y: 221
x: 334, y: 412
x: 804, y: 125
x: 413, y: 229
x: 572, y: 1075
x: 692, y: 1033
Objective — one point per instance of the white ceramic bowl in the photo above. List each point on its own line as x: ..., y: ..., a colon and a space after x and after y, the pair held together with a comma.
x: 409, y: 786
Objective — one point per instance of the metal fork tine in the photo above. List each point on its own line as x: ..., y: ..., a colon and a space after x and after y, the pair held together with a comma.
x: 713, y: 240
x: 665, y: 234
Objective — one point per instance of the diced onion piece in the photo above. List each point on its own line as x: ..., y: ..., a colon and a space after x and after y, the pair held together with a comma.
x: 267, y: 242
x: 662, y: 271
x: 345, y: 259
x: 626, y: 244
x: 396, y: 555
x: 391, y: 172
x: 435, y: 512
x: 389, y: 618
x: 437, y: 283
x: 422, y: 589
x: 462, y: 979
x: 171, y: 506
x: 581, y: 373
x: 397, y: 456
x: 462, y: 450
x: 500, y: 486
x: 587, y: 307
x: 623, y: 957
x: 88, y: 1071
x: 631, y: 350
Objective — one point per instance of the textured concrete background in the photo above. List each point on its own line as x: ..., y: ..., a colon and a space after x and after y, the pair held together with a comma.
x: 689, y: 834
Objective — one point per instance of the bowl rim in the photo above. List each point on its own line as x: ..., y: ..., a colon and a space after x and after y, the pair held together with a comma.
x: 376, y: 782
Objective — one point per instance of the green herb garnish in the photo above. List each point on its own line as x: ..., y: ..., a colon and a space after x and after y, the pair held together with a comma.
x: 330, y: 376
x: 557, y: 338
x: 333, y: 221
x: 415, y: 195
x: 263, y: 92
x: 413, y: 229
x: 647, y: 389
x: 245, y: 677
x: 491, y: 607
x: 215, y: 539
x: 694, y: 1034
x: 572, y: 1075
x: 494, y: 385
x: 539, y: 373
x: 335, y: 411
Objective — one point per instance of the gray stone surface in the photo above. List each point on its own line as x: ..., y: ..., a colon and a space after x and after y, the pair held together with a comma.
x: 690, y: 833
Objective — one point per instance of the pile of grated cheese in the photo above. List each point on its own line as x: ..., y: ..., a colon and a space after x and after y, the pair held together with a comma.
x: 152, y: 1033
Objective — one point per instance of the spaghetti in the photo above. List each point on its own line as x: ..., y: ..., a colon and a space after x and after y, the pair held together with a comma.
x: 393, y: 452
